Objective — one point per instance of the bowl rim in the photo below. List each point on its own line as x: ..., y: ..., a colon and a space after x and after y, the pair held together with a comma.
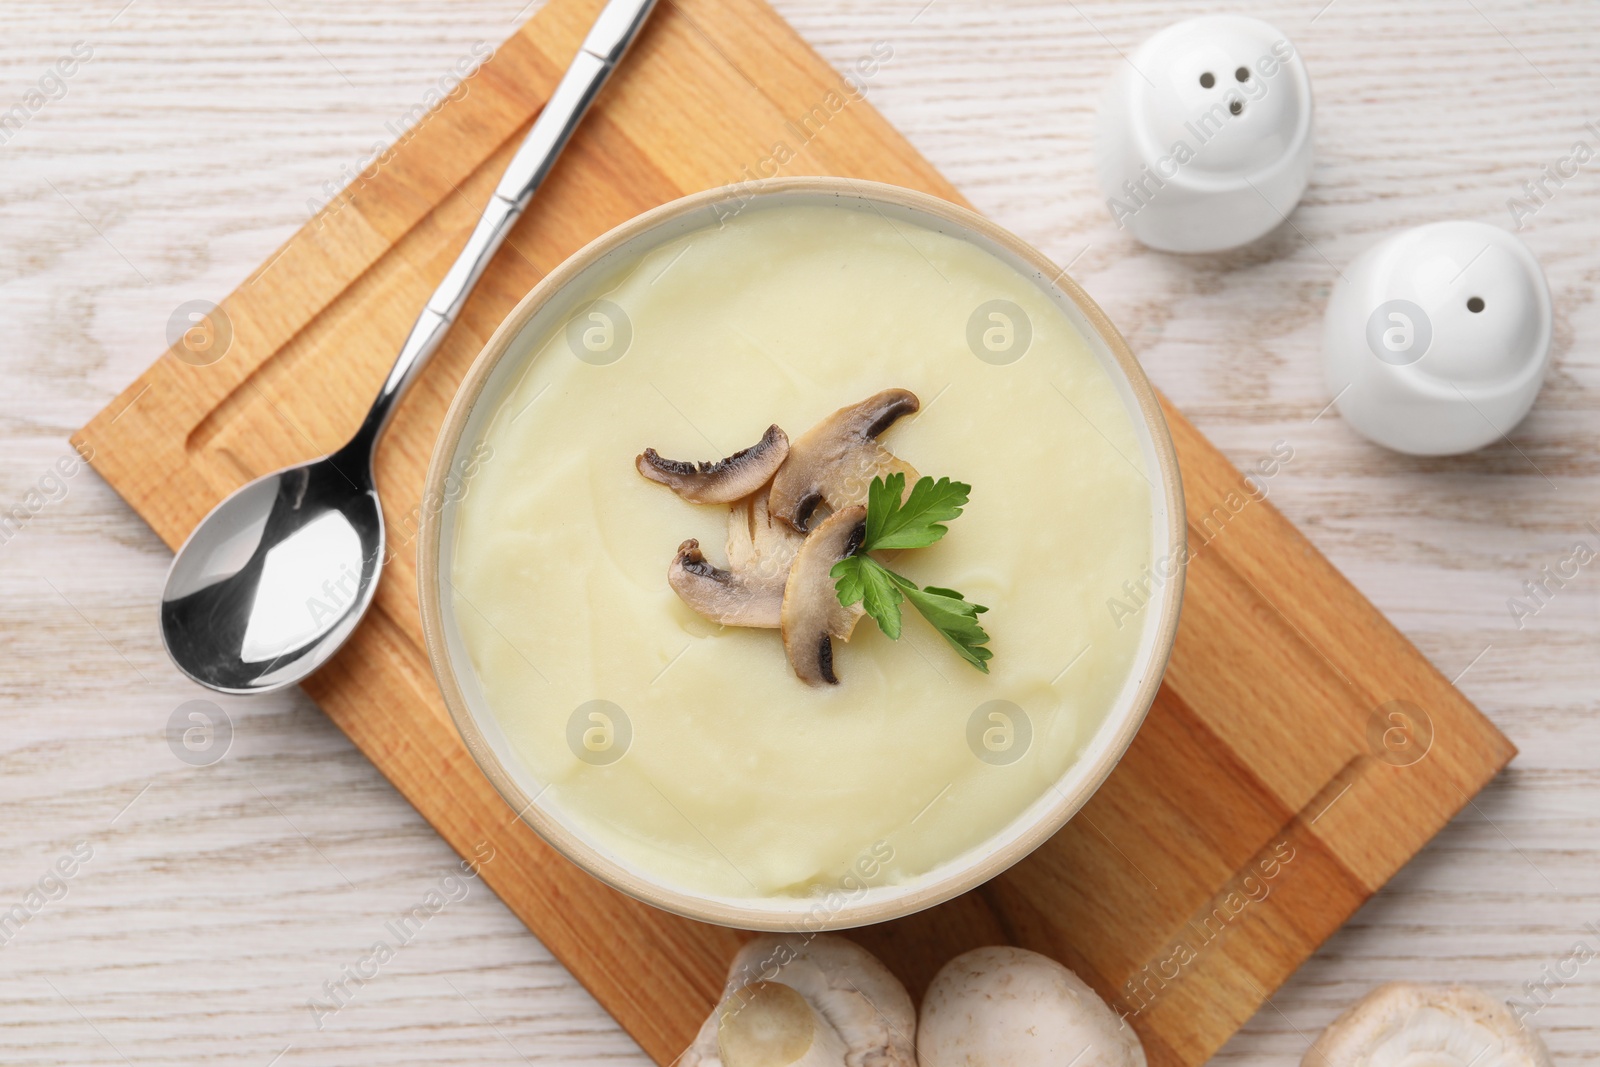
x: 918, y: 895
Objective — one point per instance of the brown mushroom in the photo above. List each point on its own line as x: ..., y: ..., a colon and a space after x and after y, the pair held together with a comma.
x: 750, y: 591
x: 723, y: 596
x: 719, y: 481
x: 836, y: 460
x: 811, y: 615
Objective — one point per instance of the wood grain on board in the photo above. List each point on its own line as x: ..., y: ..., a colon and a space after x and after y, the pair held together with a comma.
x: 1259, y: 805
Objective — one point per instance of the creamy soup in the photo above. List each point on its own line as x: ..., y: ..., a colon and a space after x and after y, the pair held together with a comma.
x: 691, y: 752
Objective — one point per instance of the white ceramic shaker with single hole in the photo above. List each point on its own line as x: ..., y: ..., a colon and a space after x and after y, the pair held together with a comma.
x: 1437, y: 339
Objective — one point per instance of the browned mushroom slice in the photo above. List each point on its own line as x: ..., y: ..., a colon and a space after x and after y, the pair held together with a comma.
x: 812, y: 615
x: 723, y: 596
x: 750, y: 591
x: 719, y: 481
x: 836, y: 460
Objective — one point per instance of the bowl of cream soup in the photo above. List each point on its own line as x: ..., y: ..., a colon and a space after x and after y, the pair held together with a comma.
x: 800, y: 558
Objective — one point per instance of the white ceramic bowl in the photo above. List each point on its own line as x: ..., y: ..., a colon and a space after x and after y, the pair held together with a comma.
x: 505, y: 357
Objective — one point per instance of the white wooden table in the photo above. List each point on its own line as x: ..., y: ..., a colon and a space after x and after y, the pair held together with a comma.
x: 218, y: 900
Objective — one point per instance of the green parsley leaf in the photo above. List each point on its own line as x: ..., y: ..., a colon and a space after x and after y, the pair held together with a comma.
x: 895, y: 520
x: 916, y: 523
x: 979, y: 608
x: 863, y: 579
x: 956, y: 619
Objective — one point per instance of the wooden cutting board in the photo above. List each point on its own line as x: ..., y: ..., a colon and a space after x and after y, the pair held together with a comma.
x: 1300, y: 750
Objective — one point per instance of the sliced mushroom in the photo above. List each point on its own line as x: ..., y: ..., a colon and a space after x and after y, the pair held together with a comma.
x: 1444, y: 1026
x: 836, y: 460
x: 812, y: 615
x: 807, y: 1002
x: 719, y: 481
x: 1008, y: 1007
x: 750, y: 591
x: 723, y: 596
x: 760, y: 547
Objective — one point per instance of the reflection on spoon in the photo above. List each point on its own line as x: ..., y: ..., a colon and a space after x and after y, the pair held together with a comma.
x: 292, y: 569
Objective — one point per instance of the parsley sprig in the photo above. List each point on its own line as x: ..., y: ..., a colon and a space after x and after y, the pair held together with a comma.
x: 894, y: 521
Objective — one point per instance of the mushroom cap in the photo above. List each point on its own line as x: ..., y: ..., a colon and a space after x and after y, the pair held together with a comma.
x: 720, y: 481
x: 812, y: 615
x: 849, y: 988
x: 1003, y: 1006
x: 834, y: 462
x: 1404, y: 1023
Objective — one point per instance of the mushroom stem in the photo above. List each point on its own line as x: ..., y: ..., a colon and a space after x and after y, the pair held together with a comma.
x: 817, y: 1001
x: 769, y: 1024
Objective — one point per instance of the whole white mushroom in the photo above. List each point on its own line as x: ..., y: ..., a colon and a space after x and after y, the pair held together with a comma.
x: 807, y: 1002
x: 1008, y: 1007
x: 1403, y: 1023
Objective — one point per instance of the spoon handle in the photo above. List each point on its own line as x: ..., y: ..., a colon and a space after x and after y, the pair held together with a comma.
x: 607, y: 41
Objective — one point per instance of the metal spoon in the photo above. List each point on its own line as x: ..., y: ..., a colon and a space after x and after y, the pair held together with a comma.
x: 279, y: 574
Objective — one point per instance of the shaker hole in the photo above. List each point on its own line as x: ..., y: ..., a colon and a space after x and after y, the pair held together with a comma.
x: 1207, y: 80
x: 1475, y: 304
x: 1242, y: 74
x: 1236, y: 107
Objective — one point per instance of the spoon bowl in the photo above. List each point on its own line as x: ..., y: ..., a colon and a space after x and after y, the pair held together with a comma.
x: 277, y: 576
